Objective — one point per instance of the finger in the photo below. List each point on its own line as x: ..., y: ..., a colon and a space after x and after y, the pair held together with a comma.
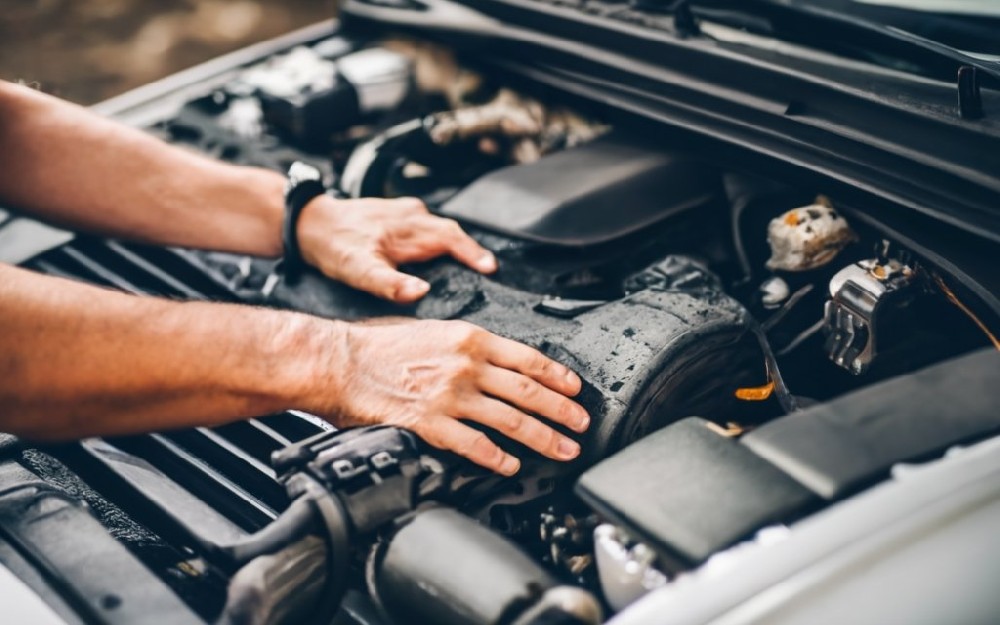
x: 463, y: 247
x: 379, y: 278
x: 525, y: 429
x: 428, y: 237
x: 533, y: 397
x: 448, y: 433
x: 532, y: 363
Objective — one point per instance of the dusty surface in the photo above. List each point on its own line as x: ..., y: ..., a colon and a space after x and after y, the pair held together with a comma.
x: 89, y: 50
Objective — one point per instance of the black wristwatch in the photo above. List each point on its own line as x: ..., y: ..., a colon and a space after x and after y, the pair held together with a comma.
x: 305, y: 183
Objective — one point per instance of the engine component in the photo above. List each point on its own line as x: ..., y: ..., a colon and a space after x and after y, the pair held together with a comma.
x: 384, y: 165
x: 529, y: 127
x: 865, y: 301
x: 627, y: 186
x: 808, y: 237
x: 570, y: 541
x: 348, y: 484
x: 310, y: 97
x: 838, y: 447
x: 521, y: 127
x: 378, y: 474
x: 774, y: 292
x: 706, y: 492
x: 57, y: 539
x: 683, y: 348
x: 442, y: 567
x: 625, y: 567
x: 452, y: 148
x: 345, y: 486
x: 281, y: 588
x: 950, y: 295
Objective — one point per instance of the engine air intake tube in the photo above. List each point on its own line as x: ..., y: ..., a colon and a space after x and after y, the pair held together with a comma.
x: 445, y: 568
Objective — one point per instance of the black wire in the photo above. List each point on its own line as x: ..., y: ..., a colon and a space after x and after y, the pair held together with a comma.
x: 789, y: 403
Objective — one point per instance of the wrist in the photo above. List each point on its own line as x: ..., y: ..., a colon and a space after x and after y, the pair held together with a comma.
x: 311, y: 354
x: 313, y: 231
x: 266, y: 189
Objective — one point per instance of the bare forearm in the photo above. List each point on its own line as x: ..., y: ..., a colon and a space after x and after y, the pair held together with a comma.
x: 78, y: 361
x: 65, y: 164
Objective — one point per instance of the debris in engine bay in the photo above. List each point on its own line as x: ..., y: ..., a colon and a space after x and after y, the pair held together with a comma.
x: 529, y: 129
x: 808, y: 237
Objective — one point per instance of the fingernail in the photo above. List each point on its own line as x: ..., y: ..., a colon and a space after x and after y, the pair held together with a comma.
x: 487, y: 262
x: 573, y: 379
x: 568, y: 449
x: 510, y: 465
x: 584, y: 422
x: 413, y: 288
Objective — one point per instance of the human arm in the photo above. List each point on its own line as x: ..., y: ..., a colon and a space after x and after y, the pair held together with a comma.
x: 65, y: 164
x: 77, y: 361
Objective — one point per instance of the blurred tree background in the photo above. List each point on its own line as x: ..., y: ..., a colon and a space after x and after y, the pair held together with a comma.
x: 89, y: 50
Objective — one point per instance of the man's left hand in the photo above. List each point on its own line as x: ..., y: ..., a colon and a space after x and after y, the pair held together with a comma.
x: 362, y: 242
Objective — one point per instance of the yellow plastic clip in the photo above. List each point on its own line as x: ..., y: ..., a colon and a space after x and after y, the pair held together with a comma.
x: 755, y: 393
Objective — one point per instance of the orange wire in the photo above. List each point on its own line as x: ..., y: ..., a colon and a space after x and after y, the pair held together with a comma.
x: 954, y: 300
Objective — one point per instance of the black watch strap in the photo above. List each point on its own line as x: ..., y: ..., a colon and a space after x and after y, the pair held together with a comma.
x: 305, y: 183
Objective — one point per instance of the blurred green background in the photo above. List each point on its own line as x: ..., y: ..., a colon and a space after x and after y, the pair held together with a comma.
x: 89, y: 50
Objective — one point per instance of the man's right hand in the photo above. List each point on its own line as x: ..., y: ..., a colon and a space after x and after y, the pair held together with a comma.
x: 429, y: 376
x: 116, y: 364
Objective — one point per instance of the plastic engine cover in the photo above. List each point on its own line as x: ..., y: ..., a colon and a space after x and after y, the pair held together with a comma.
x: 673, y: 346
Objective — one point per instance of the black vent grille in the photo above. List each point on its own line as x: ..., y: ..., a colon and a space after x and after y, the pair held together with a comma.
x: 227, y: 468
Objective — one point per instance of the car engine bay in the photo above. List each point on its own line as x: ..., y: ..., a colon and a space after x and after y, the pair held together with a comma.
x: 740, y: 339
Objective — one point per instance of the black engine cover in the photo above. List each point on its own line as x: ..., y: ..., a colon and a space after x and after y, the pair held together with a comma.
x: 672, y: 346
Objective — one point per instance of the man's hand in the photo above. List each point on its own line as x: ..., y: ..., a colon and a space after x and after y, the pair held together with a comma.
x: 118, y: 364
x: 361, y: 242
x: 428, y: 376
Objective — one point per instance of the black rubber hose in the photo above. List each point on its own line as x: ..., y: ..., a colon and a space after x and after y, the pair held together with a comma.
x: 278, y: 589
x: 294, y: 523
x: 304, y: 580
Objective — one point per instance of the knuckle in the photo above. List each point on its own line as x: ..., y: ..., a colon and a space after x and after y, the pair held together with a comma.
x: 430, y: 435
x: 513, y: 421
x: 352, y: 259
x: 442, y: 396
x: 552, y: 442
x: 542, y: 365
x: 466, y: 334
x: 566, y: 411
x: 525, y: 388
x: 481, y: 447
x: 412, y: 204
x: 452, y: 227
x: 463, y: 369
x: 369, y: 273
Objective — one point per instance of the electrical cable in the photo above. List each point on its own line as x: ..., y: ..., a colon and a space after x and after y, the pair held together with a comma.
x: 965, y: 309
